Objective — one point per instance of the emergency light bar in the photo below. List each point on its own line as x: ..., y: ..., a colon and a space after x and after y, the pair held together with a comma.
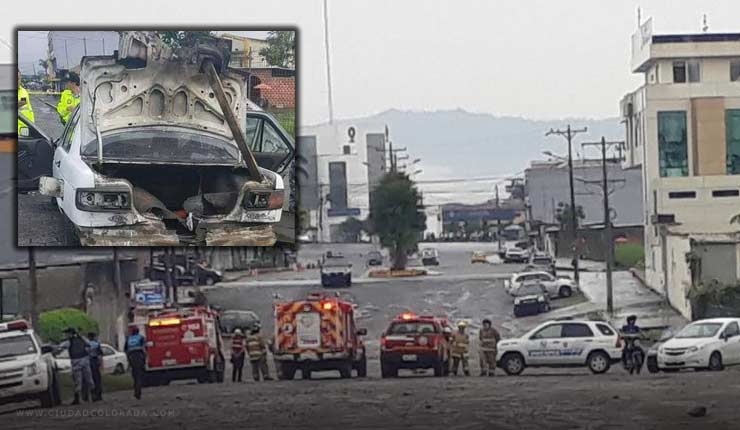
x: 327, y: 306
x: 407, y: 316
x: 15, y: 325
x: 166, y: 321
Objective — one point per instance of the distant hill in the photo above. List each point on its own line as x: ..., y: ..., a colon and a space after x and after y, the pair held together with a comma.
x: 473, y: 144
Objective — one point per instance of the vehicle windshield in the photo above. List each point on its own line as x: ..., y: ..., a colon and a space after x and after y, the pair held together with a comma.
x: 156, y: 144
x: 412, y: 327
x: 335, y: 262
x: 700, y: 330
x: 17, y: 345
x: 428, y: 252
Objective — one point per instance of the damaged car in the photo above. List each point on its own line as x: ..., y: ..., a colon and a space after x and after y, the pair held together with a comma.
x: 166, y: 149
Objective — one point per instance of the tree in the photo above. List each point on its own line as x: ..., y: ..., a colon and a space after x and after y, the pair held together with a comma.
x: 281, y: 48
x: 395, y: 216
x: 563, y: 215
x: 351, y: 230
x: 178, y: 39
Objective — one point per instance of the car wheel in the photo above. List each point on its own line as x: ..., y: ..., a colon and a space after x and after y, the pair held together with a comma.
x: 210, y: 281
x: 388, y: 370
x: 546, y: 307
x: 349, y: 280
x: 439, y: 368
x: 120, y: 369
x: 598, y: 362
x: 345, y: 370
x: 362, y: 367
x: 306, y: 374
x: 50, y: 397
x: 513, y: 363
x: 715, y: 361
x: 287, y: 372
x: 565, y: 291
x: 71, y: 237
x: 652, y: 365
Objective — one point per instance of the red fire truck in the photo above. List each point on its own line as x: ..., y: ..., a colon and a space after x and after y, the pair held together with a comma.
x: 318, y: 333
x: 183, y: 343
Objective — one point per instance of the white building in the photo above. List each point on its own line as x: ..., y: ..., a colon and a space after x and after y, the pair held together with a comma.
x: 683, y: 130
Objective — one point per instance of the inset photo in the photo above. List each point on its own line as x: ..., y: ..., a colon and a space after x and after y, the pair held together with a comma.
x: 156, y: 138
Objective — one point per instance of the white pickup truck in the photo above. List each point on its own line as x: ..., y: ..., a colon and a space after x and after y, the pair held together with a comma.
x: 27, y: 369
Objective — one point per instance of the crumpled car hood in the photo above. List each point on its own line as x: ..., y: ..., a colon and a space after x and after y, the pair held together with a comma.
x: 168, y: 90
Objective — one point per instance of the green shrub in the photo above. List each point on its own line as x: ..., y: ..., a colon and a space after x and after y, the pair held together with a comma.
x: 52, y: 324
x: 629, y: 254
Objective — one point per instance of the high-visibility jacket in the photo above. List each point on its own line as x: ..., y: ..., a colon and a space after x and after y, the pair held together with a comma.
x: 67, y: 104
x: 459, y: 345
x: 256, y: 346
x: 25, y: 110
x: 489, y: 338
x: 237, y: 345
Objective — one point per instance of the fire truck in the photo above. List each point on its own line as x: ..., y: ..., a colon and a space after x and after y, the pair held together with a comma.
x: 183, y: 343
x: 415, y: 342
x: 318, y: 333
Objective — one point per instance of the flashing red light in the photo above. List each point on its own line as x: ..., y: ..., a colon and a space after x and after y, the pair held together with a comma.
x: 407, y: 316
x: 327, y: 306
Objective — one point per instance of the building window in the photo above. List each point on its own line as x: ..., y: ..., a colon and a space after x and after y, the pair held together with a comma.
x: 346, y: 150
x: 338, y: 185
x: 732, y: 127
x: 672, y: 144
x: 10, y: 291
x: 684, y: 71
x: 679, y: 72
x: 725, y: 193
x: 682, y: 195
x: 694, y: 68
x: 735, y: 70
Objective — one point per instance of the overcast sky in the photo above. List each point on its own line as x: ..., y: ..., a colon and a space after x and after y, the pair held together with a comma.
x: 536, y: 59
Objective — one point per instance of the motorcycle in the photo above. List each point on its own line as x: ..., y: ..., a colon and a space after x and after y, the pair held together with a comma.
x: 633, y: 356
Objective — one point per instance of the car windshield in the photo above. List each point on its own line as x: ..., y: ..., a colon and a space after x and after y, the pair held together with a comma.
x: 17, y: 345
x: 700, y: 330
x: 335, y: 262
x: 156, y: 144
x: 238, y: 316
x: 415, y: 327
x: 428, y: 252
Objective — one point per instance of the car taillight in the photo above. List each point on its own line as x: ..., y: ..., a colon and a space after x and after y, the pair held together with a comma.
x: 619, y: 342
x: 95, y: 200
x: 264, y: 200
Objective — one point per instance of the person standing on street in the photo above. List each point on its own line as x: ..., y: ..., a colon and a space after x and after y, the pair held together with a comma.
x: 95, y: 352
x: 489, y: 338
x: 257, y: 350
x: 24, y: 105
x: 136, y: 353
x: 78, y: 349
x: 237, y: 356
x: 459, y: 350
x: 70, y: 98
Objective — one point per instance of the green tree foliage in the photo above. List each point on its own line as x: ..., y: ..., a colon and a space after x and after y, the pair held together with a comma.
x: 177, y: 39
x: 281, y: 49
x: 52, y: 324
x: 395, y: 217
x: 351, y: 230
x: 563, y: 215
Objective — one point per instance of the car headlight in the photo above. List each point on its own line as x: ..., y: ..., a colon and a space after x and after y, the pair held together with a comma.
x: 33, y: 369
x: 102, y: 200
x: 694, y: 349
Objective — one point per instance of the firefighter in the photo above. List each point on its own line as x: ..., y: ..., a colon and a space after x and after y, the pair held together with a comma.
x: 24, y: 105
x: 257, y: 350
x: 136, y: 353
x: 489, y: 338
x: 237, y: 355
x: 78, y: 348
x: 70, y: 98
x: 459, y: 350
x: 95, y: 353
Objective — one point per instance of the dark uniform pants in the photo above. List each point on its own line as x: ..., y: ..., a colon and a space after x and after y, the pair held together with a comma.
x: 456, y: 360
x: 487, y: 362
x: 137, y: 360
x: 259, y: 365
x: 95, y: 363
x: 237, y: 363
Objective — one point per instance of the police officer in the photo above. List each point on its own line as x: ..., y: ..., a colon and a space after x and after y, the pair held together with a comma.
x: 459, y: 349
x: 95, y: 352
x: 237, y: 356
x: 257, y: 351
x: 24, y: 105
x: 70, y: 97
x: 488, y: 337
x: 77, y: 347
x: 136, y: 353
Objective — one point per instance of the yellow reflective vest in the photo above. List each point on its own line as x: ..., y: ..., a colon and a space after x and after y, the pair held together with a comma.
x: 67, y: 104
x: 25, y: 110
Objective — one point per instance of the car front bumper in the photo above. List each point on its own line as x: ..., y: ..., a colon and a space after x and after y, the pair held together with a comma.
x: 683, y: 361
x: 151, y: 234
x: 14, y: 389
x: 421, y: 360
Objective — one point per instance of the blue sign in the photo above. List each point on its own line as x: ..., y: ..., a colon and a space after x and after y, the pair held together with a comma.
x: 344, y: 212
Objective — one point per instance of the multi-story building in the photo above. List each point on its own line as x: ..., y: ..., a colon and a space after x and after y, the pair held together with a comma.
x: 683, y: 131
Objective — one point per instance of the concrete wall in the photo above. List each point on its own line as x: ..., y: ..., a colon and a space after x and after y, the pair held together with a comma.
x: 679, y: 275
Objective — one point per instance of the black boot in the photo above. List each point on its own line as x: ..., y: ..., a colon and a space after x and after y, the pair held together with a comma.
x: 76, y: 401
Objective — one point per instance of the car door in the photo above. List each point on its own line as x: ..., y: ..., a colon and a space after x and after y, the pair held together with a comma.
x: 730, y: 346
x: 543, y: 346
x: 62, y: 156
x: 550, y: 284
x: 35, y: 155
x: 577, y: 342
x: 109, y: 362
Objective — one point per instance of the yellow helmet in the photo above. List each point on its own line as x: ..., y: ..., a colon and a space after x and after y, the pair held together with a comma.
x: 462, y: 324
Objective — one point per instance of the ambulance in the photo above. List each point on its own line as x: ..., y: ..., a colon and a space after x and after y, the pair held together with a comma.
x: 317, y: 334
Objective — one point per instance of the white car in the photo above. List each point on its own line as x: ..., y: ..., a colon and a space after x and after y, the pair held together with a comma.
x: 705, y: 344
x: 556, y: 287
x: 149, y: 158
x: 516, y: 255
x: 27, y: 369
x: 114, y: 362
x: 592, y: 344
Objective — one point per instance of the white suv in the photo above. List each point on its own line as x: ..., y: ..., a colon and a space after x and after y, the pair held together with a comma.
x: 27, y: 370
x: 593, y: 344
x: 556, y: 287
x: 705, y: 344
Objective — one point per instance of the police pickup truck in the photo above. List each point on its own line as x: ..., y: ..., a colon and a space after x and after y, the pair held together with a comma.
x: 27, y: 369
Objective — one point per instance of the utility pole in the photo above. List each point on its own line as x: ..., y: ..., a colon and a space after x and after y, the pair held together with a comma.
x: 66, y: 54
x: 84, y: 44
x: 328, y: 63
x: 33, y: 286
x: 569, y: 133
x: 607, y: 221
x: 498, y: 220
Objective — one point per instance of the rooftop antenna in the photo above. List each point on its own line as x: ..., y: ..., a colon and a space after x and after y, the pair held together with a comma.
x: 705, y: 26
x: 639, y: 17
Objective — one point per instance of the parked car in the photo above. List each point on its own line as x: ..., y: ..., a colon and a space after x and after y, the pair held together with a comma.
x: 576, y: 343
x: 541, y: 262
x: 336, y: 271
x: 557, y: 287
x: 651, y: 359
x: 430, y: 257
x: 531, y: 299
x: 196, y: 274
x: 114, y: 361
x: 516, y: 255
x: 711, y: 344
x: 231, y: 320
x: 478, y: 257
x: 374, y: 258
